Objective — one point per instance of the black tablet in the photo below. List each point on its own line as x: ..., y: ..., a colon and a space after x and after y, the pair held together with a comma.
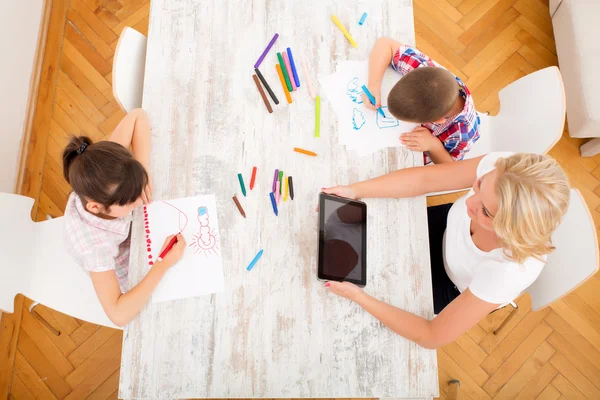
x: 342, y: 240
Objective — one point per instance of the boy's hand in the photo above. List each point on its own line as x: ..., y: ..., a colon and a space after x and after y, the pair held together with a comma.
x: 420, y: 139
x: 376, y: 92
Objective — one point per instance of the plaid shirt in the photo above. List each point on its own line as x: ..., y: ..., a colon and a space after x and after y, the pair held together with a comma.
x: 457, y: 134
x: 98, y: 244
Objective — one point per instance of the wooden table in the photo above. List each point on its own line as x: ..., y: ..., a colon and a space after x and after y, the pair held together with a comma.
x: 275, y: 331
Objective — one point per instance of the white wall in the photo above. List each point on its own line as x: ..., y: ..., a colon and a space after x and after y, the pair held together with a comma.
x: 19, y: 27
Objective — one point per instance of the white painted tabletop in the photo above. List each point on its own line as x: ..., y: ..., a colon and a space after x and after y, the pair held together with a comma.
x: 275, y: 331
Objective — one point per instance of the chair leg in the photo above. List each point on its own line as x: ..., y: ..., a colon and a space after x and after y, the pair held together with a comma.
x: 42, y: 320
x: 453, y: 389
x: 507, y: 319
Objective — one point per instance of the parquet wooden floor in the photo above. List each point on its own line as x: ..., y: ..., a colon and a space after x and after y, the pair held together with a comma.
x: 549, y: 354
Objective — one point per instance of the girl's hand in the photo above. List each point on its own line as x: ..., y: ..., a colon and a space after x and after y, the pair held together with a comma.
x: 176, y: 252
x: 342, y: 191
x: 147, y: 192
x: 345, y: 289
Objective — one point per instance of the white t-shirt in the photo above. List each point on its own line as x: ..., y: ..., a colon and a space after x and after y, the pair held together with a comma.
x: 489, y: 275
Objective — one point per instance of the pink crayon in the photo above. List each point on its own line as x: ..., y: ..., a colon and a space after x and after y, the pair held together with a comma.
x: 277, y: 195
x: 288, y: 66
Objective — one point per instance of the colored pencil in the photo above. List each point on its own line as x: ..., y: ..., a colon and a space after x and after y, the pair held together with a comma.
x: 262, y: 94
x: 241, y: 179
x: 343, y: 29
x: 284, y: 70
x: 293, y: 65
x: 280, y: 181
x: 318, y: 117
x: 238, y: 205
x: 286, y: 61
x: 253, y: 178
x: 273, y: 203
x: 254, y: 260
x: 275, y: 178
x: 168, y: 248
x: 277, y: 193
x: 311, y: 90
x: 307, y: 152
x: 283, y: 85
x: 372, y: 100
x: 266, y: 85
x: 287, y: 189
x: 264, y: 53
x: 362, y: 19
x: 291, y: 187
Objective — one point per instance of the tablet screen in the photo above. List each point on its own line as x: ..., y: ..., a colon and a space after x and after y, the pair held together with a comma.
x: 342, y: 240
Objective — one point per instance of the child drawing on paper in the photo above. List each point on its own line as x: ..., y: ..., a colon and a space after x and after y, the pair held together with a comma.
x: 388, y: 121
x: 354, y: 91
x: 206, y: 241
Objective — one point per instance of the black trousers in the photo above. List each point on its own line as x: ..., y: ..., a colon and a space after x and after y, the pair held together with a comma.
x: 444, y: 290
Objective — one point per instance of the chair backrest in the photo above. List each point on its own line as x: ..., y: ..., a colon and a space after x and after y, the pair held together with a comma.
x: 575, y: 258
x: 129, y: 65
x: 36, y: 264
x: 531, y: 118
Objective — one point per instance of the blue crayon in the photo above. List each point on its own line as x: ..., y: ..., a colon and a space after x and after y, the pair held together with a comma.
x: 372, y: 100
x: 274, y: 203
x: 254, y: 260
x: 293, y: 65
x: 362, y: 19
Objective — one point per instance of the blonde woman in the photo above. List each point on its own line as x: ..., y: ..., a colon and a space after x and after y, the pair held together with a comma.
x: 486, y: 248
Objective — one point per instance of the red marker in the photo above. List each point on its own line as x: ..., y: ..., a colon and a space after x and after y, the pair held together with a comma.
x: 169, y: 247
x: 253, y: 178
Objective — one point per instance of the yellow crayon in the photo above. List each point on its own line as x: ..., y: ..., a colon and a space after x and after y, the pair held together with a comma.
x: 344, y: 31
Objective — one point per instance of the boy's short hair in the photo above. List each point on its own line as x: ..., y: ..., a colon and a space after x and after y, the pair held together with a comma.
x: 423, y: 95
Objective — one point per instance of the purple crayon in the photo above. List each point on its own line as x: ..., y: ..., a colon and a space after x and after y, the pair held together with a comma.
x: 264, y: 53
x: 275, y: 180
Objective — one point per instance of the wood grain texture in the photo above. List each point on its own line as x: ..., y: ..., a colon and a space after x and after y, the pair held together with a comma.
x: 274, y: 332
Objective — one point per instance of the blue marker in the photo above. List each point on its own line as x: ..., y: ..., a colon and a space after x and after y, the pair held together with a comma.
x: 274, y: 203
x: 372, y: 100
x: 293, y: 66
x: 254, y: 260
x: 362, y: 19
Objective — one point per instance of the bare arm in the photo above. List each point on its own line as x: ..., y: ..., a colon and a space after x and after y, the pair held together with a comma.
x: 417, y: 181
x: 457, y: 318
x: 134, y: 131
x: 122, y: 307
x: 381, y: 56
x: 440, y: 155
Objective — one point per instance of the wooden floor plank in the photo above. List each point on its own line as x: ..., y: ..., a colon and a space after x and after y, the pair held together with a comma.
x: 95, y: 77
x: 106, y: 388
x: 539, y: 382
x: 89, y: 347
x: 575, y: 357
x: 85, y: 331
x: 492, y: 64
x: 18, y: 390
x: 43, y: 367
x: 99, y: 44
x: 9, y: 333
x: 483, y: 24
x: 87, y: 15
x: 570, y: 381
x: 30, y: 379
x: 41, y: 339
x: 63, y: 342
x: 468, y: 386
x: 549, y: 393
x: 463, y: 359
x: 96, y: 369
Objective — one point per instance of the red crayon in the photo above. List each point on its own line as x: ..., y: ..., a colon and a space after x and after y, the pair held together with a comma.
x: 169, y: 247
x: 253, y: 178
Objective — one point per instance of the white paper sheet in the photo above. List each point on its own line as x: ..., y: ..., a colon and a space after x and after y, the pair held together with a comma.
x: 360, y: 129
x: 200, y: 271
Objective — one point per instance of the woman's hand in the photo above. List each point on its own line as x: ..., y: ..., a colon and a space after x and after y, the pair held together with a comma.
x: 147, y: 192
x: 342, y: 191
x: 345, y: 289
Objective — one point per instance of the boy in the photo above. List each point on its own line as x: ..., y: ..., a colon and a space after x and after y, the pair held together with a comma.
x: 433, y: 97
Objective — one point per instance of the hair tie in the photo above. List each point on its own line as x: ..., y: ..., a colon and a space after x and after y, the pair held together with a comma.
x: 82, y: 148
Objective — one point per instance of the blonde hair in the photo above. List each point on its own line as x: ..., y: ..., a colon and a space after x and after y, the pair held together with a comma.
x: 533, y: 195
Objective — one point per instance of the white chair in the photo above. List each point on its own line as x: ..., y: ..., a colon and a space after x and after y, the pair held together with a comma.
x: 531, y: 118
x: 36, y: 264
x: 129, y: 65
x: 572, y: 263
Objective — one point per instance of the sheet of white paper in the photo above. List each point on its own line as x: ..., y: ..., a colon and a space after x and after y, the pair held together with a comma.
x: 200, y: 271
x: 360, y: 129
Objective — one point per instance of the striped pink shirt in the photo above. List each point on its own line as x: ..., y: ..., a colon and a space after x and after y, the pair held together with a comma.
x: 98, y: 244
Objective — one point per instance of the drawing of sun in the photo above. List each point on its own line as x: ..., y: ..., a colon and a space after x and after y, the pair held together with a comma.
x: 206, y: 242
